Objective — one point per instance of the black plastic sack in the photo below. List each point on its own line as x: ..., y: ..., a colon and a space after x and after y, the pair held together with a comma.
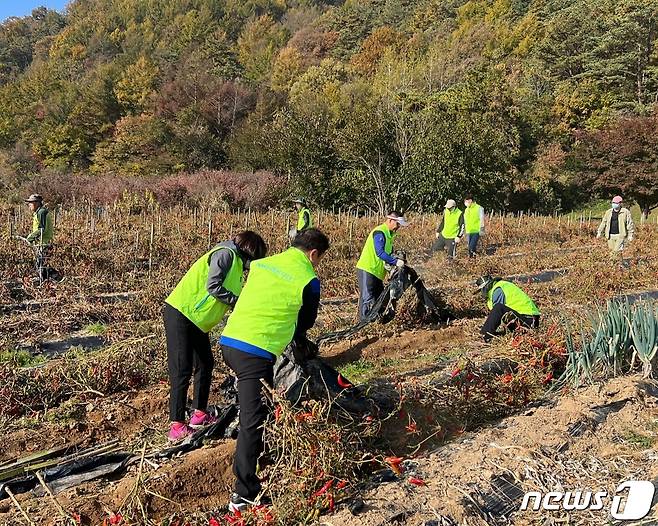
x: 70, y: 474
x: 317, y: 380
x: 384, y: 308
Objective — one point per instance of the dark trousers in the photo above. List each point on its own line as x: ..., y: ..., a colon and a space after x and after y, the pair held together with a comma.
x: 448, y: 245
x: 370, y: 287
x: 188, y: 352
x: 42, y: 264
x: 249, y: 369
x: 510, y: 318
x: 472, y: 244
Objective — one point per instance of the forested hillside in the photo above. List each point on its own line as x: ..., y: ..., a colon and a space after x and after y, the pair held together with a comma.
x: 525, y: 103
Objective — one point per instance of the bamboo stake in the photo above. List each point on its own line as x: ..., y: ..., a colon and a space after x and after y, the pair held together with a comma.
x: 13, y: 499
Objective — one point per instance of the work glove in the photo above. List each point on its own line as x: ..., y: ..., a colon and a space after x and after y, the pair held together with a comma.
x: 630, y: 238
x: 399, y: 263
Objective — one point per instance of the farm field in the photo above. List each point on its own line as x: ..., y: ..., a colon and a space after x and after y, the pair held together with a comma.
x: 83, y: 369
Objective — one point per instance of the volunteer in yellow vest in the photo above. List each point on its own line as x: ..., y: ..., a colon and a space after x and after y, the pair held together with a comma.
x: 210, y: 287
x: 375, y: 256
x: 473, y: 224
x: 508, y: 304
x: 304, y: 219
x: 278, y: 304
x: 41, y: 237
x: 450, y: 230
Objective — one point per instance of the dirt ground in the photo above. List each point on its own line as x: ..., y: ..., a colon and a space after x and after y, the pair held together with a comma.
x: 537, y: 450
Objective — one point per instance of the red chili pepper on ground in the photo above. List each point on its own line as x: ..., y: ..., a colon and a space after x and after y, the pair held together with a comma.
x: 416, y: 481
x: 277, y: 412
x: 455, y: 372
x: 341, y: 484
x: 213, y: 522
x: 324, y: 488
x: 343, y: 383
x: 331, y: 502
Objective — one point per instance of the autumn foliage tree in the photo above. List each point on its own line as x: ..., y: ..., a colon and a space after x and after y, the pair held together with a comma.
x: 620, y: 158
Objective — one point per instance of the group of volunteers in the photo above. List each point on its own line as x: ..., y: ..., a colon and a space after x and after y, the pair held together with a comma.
x: 278, y: 303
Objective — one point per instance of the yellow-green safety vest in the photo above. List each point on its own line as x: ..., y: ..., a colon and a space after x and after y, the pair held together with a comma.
x: 472, y: 223
x: 515, y: 299
x: 369, y: 260
x: 301, y: 222
x: 451, y: 223
x: 266, y: 313
x: 192, y: 299
x: 47, y: 236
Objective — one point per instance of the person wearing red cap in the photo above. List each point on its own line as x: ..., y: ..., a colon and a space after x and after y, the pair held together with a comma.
x: 617, y: 226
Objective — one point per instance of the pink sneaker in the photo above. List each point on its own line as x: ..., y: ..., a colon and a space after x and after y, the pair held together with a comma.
x: 178, y: 431
x: 201, y: 419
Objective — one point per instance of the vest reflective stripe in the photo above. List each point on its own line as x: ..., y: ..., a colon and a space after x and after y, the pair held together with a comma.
x: 192, y: 299
x: 300, y: 219
x: 47, y: 236
x: 515, y: 299
x: 266, y: 313
x: 451, y: 223
x: 472, y: 222
x: 369, y: 260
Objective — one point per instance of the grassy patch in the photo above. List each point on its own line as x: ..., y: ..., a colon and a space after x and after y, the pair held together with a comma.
x: 637, y: 440
x: 20, y: 358
x: 96, y: 329
x: 358, y: 371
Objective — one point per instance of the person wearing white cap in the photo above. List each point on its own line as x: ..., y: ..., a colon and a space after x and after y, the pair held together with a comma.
x: 376, y: 253
x: 450, y: 230
x: 617, y: 226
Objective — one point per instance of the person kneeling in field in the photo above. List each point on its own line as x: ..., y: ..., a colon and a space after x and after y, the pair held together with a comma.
x: 508, y: 305
x: 198, y: 303
x: 278, y: 305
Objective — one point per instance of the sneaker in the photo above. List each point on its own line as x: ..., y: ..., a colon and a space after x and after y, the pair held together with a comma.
x: 178, y: 431
x: 238, y: 504
x: 201, y: 419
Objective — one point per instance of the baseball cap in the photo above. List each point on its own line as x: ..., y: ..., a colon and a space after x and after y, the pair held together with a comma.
x: 617, y: 199
x: 34, y: 198
x: 451, y: 203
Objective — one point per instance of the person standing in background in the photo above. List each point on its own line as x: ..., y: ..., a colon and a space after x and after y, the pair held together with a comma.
x: 474, y: 223
x: 450, y: 230
x: 617, y: 226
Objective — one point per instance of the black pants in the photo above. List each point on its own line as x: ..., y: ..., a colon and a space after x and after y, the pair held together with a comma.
x: 188, y: 352
x: 370, y: 287
x: 249, y: 369
x: 448, y: 245
x: 42, y: 264
x: 496, y: 316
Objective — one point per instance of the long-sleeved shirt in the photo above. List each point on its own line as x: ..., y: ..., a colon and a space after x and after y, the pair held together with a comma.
x: 379, y: 240
x: 219, y: 266
x: 43, y: 229
x: 625, y: 223
x: 308, y: 312
x: 498, y: 296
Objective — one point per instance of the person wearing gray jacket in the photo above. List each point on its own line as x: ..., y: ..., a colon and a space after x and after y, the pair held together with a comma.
x: 617, y: 226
